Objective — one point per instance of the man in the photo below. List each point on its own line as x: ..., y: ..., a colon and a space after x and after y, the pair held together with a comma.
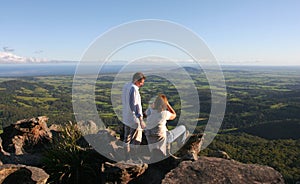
x: 132, y: 112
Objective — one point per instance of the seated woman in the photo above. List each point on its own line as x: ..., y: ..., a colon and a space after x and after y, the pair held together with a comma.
x: 157, y: 134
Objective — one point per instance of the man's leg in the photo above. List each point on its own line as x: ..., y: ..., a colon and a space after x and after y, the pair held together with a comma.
x: 135, y: 144
x: 137, y: 136
x: 128, y: 134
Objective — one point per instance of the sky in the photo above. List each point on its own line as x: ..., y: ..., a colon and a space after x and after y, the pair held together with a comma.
x: 248, y: 32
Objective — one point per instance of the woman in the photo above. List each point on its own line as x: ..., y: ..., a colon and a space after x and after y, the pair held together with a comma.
x: 156, y: 132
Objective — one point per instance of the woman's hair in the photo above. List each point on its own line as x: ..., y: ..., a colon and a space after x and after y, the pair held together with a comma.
x: 160, y: 102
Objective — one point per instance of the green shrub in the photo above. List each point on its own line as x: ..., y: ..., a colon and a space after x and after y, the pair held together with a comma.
x: 67, y: 162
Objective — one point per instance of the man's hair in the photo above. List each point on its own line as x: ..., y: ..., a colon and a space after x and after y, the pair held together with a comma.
x: 138, y: 77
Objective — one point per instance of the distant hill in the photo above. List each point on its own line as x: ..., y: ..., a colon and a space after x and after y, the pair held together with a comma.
x: 275, y: 130
x: 192, y: 69
x: 189, y: 69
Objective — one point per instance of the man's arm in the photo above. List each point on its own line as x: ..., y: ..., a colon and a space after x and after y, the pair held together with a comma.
x: 135, y: 107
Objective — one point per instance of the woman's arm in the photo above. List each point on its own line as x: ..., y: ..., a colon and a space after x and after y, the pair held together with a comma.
x: 171, y: 110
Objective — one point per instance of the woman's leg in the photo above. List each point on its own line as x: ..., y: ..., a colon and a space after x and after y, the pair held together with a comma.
x: 172, y: 135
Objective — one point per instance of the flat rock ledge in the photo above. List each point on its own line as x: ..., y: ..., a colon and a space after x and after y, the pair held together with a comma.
x: 211, y: 170
x: 17, y: 174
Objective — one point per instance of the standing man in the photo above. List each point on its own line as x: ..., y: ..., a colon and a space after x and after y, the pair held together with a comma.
x: 132, y: 112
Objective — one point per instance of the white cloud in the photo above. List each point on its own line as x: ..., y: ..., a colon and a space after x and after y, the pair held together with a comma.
x: 8, y: 57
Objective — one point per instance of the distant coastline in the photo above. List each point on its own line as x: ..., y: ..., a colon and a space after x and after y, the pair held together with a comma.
x: 20, y: 70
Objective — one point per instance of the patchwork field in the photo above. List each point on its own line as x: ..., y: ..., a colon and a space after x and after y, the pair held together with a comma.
x: 261, y: 122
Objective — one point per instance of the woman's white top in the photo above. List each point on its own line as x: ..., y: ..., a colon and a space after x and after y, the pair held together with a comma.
x: 156, y: 129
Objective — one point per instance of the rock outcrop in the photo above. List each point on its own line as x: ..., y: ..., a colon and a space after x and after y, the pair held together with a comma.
x: 26, y: 136
x: 19, y: 174
x: 156, y: 171
x: 24, y: 141
x: 22, y: 145
x: 192, y: 147
x: 196, y: 170
x: 217, y: 170
x: 87, y: 127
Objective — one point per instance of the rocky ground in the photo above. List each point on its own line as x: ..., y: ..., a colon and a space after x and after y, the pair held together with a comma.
x: 22, y: 142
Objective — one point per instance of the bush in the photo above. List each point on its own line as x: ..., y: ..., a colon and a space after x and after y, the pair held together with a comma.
x: 67, y: 162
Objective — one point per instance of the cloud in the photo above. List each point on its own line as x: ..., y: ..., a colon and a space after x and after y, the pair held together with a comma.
x: 38, y: 51
x: 7, y: 49
x: 8, y: 57
x: 242, y: 62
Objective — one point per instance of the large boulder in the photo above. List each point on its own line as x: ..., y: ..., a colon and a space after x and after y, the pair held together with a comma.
x: 87, y: 127
x: 27, y: 135
x: 217, y: 170
x: 19, y: 174
x: 105, y: 142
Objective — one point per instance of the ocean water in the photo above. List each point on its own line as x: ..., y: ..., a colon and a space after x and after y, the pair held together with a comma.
x: 19, y: 70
